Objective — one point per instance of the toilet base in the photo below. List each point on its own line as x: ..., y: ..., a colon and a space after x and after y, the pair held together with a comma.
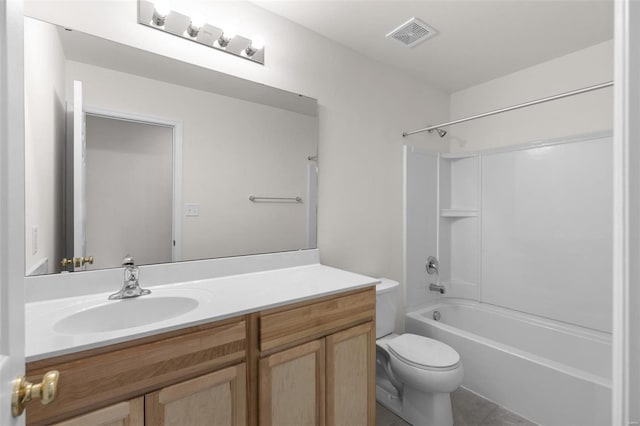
x: 427, y: 409
x: 418, y: 408
x: 389, y: 400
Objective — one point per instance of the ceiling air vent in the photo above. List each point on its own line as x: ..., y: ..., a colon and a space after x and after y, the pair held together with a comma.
x: 412, y: 32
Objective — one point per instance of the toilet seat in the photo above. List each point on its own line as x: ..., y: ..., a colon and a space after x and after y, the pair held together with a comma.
x: 424, y: 353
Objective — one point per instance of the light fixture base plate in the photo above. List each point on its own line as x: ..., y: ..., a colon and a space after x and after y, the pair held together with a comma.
x: 177, y: 24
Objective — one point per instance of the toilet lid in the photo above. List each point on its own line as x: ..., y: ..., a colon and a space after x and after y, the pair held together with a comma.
x: 423, y: 351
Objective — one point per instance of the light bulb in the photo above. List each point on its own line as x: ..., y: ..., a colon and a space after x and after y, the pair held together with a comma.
x: 226, y: 36
x: 257, y: 43
x: 197, y: 20
x: 230, y: 33
x: 162, y: 7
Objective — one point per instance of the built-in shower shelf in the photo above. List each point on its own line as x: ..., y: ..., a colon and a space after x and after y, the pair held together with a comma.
x: 458, y: 212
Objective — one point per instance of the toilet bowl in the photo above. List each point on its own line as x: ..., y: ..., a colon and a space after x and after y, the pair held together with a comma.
x: 415, y: 374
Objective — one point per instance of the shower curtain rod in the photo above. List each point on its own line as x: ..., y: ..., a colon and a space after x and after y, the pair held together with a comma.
x: 511, y: 108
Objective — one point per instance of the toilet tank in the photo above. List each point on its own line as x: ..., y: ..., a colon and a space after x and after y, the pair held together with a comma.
x: 386, y: 306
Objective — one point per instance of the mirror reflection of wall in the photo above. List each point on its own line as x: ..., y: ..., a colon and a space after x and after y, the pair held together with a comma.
x: 231, y: 148
x: 45, y: 100
x: 129, y: 193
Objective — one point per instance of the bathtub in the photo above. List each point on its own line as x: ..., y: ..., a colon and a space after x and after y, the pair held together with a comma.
x: 552, y: 373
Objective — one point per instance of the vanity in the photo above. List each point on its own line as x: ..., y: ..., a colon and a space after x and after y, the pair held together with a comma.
x: 279, y: 347
x: 243, y: 325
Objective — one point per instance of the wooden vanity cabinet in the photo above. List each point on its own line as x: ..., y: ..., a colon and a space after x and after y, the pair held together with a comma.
x: 218, y: 398
x: 310, y: 363
x: 351, y: 377
x: 292, y: 386
x: 127, y: 413
x: 101, y: 377
x: 325, y: 381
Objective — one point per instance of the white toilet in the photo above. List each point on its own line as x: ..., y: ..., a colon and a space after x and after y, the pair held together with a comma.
x: 414, y: 374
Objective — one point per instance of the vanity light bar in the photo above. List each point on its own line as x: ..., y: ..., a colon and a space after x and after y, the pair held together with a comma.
x: 160, y: 16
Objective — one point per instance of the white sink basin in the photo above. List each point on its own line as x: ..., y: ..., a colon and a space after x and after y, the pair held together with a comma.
x: 125, y: 313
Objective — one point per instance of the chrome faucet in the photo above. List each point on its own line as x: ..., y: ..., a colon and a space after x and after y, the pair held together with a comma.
x: 434, y: 268
x: 437, y: 287
x: 131, y: 286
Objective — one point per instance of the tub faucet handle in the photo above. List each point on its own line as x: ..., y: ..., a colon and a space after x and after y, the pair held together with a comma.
x: 432, y: 265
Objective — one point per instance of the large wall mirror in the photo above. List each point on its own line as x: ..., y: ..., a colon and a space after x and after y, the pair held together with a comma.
x: 132, y: 153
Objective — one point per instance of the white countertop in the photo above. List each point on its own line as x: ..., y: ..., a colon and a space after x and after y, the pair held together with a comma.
x: 218, y: 299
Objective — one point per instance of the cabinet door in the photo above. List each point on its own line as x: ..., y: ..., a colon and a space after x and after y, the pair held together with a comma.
x: 128, y: 413
x: 215, y: 399
x: 351, y: 377
x: 292, y: 386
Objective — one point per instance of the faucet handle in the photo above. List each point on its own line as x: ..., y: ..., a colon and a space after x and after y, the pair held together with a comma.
x: 131, y: 286
x: 432, y: 265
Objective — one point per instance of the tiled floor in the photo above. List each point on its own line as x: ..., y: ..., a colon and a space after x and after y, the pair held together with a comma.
x: 469, y: 409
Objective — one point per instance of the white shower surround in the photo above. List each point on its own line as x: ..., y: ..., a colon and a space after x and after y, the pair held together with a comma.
x: 534, y: 330
x: 546, y: 230
x: 551, y: 373
x: 526, y: 227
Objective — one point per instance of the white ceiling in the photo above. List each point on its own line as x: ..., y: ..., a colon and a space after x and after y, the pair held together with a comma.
x: 478, y: 40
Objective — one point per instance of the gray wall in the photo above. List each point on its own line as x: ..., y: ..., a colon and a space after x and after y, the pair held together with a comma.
x: 44, y: 144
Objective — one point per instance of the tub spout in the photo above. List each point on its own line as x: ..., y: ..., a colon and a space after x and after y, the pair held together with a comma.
x: 437, y: 287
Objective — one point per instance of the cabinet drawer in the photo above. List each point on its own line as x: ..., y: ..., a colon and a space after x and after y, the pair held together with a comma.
x: 305, y: 321
x: 106, y: 377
